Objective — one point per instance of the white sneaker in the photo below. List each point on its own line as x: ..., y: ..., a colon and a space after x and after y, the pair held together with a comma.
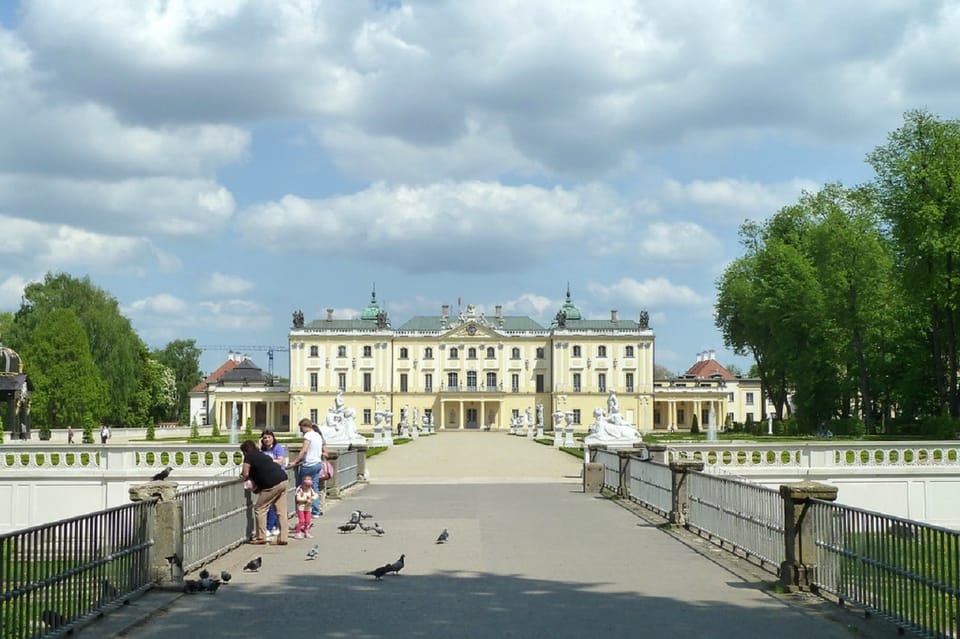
x: 273, y: 532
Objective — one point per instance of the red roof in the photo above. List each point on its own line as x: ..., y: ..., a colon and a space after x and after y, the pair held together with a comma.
x: 228, y: 365
x: 708, y: 369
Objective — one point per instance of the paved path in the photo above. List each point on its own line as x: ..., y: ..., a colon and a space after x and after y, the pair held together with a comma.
x: 523, y: 560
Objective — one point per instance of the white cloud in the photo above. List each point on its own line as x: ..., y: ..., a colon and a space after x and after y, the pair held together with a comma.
x: 656, y: 292
x: 162, y: 304
x: 678, y: 243
x: 221, y: 284
x: 733, y: 200
x: 235, y: 315
x: 11, y: 290
x: 464, y: 224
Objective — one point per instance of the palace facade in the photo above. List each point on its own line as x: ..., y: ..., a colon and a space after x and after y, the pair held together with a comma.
x: 468, y: 370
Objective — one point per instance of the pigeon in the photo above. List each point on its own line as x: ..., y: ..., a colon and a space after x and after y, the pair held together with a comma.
x: 206, y: 583
x: 174, y: 560
x: 163, y: 474
x: 225, y: 576
x: 364, y: 527
x: 396, y: 566
x: 204, y: 574
x: 381, y: 571
x: 53, y: 619
x: 254, y: 564
x: 212, y: 586
x: 364, y: 515
x: 355, y: 517
x: 377, y: 529
x: 444, y: 536
x: 347, y: 527
x: 313, y: 552
x: 191, y: 585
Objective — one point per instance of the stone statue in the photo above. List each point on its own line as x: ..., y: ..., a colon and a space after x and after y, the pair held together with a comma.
x: 561, y: 319
x: 340, y: 425
x: 539, y: 413
x: 613, y: 404
x: 298, y: 319
x: 338, y: 401
x: 416, y: 417
x: 529, y: 416
x: 644, y: 320
x: 611, y: 430
x: 382, y: 321
x: 558, y: 420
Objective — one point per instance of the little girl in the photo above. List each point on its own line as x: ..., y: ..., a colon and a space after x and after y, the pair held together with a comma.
x: 304, y: 498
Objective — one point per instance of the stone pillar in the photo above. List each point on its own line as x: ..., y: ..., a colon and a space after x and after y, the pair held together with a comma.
x: 331, y: 487
x: 361, y: 463
x: 624, y: 489
x: 167, y: 532
x: 678, y: 489
x: 797, y: 569
x: 657, y: 452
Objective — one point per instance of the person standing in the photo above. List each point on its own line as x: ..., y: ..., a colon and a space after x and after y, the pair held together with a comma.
x: 104, y: 433
x: 276, y: 451
x: 304, y: 499
x: 271, y: 480
x: 70, y: 435
x: 310, y: 459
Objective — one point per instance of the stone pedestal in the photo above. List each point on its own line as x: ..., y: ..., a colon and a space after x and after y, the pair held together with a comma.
x: 592, y: 477
x: 568, y: 440
x: 167, y: 531
x: 678, y: 491
x: 796, y: 571
x: 540, y: 431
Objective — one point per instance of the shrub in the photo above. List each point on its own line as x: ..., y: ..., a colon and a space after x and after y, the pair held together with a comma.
x: 248, y: 428
x: 88, y: 433
x: 694, y: 424
x: 214, y: 429
x: 152, y: 431
x: 750, y: 426
x: 194, y: 429
x: 847, y: 427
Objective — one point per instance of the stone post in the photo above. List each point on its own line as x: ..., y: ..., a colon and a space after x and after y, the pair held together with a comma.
x: 678, y: 489
x: 657, y: 452
x: 331, y: 487
x: 361, y: 463
x: 167, y: 532
x: 624, y: 489
x: 798, y: 568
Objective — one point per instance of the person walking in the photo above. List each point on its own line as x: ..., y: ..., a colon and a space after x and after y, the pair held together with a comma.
x: 271, y: 481
x: 104, y: 433
x: 70, y: 435
x: 310, y: 459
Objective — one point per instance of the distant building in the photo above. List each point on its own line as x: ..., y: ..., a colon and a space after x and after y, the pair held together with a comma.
x: 237, y: 391
x: 15, y: 390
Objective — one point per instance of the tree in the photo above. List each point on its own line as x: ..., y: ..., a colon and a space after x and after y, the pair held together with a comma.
x: 69, y: 390
x: 694, y: 424
x: 6, y: 321
x: 182, y: 357
x: 113, y: 344
x: 661, y: 372
x: 156, y: 393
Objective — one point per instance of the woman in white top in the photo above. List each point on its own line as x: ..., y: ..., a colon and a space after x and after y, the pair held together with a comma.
x: 310, y: 459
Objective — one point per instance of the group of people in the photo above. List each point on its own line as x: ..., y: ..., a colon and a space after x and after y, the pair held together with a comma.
x: 265, y: 467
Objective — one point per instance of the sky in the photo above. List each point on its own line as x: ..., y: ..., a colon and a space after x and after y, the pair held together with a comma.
x: 216, y: 165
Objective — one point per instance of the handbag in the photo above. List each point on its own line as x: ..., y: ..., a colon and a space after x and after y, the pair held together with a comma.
x: 326, y: 470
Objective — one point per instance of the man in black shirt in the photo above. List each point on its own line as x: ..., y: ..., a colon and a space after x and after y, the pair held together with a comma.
x: 271, y: 480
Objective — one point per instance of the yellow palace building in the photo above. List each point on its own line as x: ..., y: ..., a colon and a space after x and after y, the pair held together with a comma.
x: 469, y: 370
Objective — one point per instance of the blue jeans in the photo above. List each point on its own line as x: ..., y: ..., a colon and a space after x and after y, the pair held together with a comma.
x: 313, y: 471
x: 272, y: 520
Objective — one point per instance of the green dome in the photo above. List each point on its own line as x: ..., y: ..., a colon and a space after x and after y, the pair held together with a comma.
x: 569, y: 309
x: 372, y: 310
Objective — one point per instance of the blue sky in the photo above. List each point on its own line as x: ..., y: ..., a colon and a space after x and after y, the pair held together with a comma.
x: 216, y: 165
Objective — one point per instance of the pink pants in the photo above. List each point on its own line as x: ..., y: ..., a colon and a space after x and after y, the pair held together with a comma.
x: 303, y: 521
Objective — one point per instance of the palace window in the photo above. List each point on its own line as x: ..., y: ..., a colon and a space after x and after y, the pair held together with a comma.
x: 514, y: 353
x: 453, y: 381
x: 367, y: 382
x: 367, y: 415
x: 368, y: 351
x: 404, y: 353
x: 491, y: 353
x: 341, y: 351
x: 602, y: 382
x: 428, y: 382
x: 576, y: 415
x: 749, y: 399
x: 314, y: 351
x: 313, y: 382
x: 540, y: 385
x: 428, y: 353
x: 628, y: 351
x: 629, y: 377
x: 454, y: 353
x: 681, y: 416
x: 577, y: 352
x: 342, y: 381
x: 515, y: 383
x: 471, y: 380
x: 601, y: 351
x: 403, y: 382
x: 576, y: 382
x: 313, y: 415
x: 471, y: 353
x: 540, y: 353
x: 491, y: 382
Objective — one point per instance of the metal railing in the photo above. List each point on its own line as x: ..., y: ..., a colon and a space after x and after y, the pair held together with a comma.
x: 611, y: 468
x: 348, y: 468
x: 906, y: 571
x: 651, y: 485
x: 747, y: 516
x: 59, y: 576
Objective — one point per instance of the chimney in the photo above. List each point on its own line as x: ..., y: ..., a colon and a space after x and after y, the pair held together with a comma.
x: 613, y: 315
x: 498, y: 311
x: 329, y: 314
x: 445, y: 311
x: 713, y: 354
x: 699, y: 357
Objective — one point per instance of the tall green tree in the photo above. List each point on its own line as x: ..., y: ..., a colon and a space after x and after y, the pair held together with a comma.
x: 114, y: 346
x: 918, y: 186
x: 6, y: 321
x: 68, y: 390
x: 182, y: 356
x: 156, y: 394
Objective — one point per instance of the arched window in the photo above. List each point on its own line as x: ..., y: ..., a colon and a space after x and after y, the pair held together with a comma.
x: 471, y: 353
x: 368, y: 351
x: 515, y: 353
x: 490, y: 352
x: 628, y: 352
x: 539, y: 352
x: 428, y: 353
x: 454, y: 353
x: 314, y: 351
x: 601, y: 351
x: 576, y: 351
x: 404, y: 353
x: 341, y: 351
